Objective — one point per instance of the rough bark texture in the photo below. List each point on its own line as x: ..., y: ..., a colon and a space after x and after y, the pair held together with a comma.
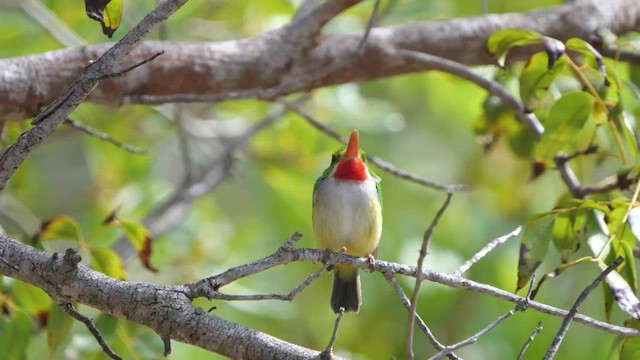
x: 244, y: 68
x: 165, y: 309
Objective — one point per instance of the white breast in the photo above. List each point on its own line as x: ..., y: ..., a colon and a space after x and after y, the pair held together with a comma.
x: 347, y: 213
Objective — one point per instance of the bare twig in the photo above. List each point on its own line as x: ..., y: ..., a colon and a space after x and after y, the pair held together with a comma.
x: 287, y: 246
x: 494, y: 88
x: 56, y: 113
x: 170, y: 213
x: 327, y: 353
x: 419, y: 275
x: 104, y: 136
x: 580, y: 191
x: 557, y: 340
x: 68, y: 308
x: 379, y: 163
x: 421, y: 324
x: 535, y: 332
x: 520, y: 306
x: 132, y: 67
x: 373, y: 18
x: 485, y: 250
x: 208, y: 286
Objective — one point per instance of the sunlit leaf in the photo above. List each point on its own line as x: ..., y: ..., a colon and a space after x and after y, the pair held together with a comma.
x: 501, y: 41
x: 58, y: 328
x: 140, y: 237
x: 566, y: 118
x: 31, y: 299
x: 536, y: 77
x: 107, y: 12
x: 61, y: 227
x: 107, y: 261
x: 533, y: 247
x: 583, y: 47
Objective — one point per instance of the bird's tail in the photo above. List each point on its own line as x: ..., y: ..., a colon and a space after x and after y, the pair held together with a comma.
x: 346, y: 289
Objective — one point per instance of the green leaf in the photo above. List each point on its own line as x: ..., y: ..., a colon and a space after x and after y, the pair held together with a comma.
x: 533, y: 246
x: 569, y: 113
x: 61, y: 227
x: 536, y: 77
x: 140, y: 237
x: 563, y: 235
x: 501, y: 41
x: 107, y: 324
x: 583, y: 47
x: 630, y: 347
x: 108, y: 262
x: 31, y: 299
x: 566, y: 118
x: 107, y: 12
x: 16, y: 334
x: 58, y: 328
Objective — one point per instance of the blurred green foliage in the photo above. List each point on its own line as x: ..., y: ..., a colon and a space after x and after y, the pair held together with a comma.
x: 423, y: 123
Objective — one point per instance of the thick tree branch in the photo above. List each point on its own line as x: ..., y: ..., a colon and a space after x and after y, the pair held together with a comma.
x: 247, y: 68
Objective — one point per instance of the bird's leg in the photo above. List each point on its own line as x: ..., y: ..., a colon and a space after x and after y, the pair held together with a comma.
x: 372, y: 261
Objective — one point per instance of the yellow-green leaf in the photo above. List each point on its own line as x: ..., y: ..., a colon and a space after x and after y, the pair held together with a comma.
x: 536, y: 77
x: 501, y: 41
x: 16, y: 335
x: 61, y: 227
x: 107, y: 12
x: 108, y: 262
x: 140, y: 237
x: 630, y: 347
x: 31, y: 299
x: 58, y: 328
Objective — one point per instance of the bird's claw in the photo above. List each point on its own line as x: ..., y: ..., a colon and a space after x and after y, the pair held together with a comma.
x: 372, y: 261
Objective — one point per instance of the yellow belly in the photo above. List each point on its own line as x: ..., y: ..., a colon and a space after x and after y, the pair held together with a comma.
x: 347, y: 213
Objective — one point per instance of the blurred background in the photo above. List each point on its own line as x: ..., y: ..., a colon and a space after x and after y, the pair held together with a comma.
x: 422, y: 123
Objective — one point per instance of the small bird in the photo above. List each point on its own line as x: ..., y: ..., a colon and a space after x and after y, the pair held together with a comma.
x: 347, y: 212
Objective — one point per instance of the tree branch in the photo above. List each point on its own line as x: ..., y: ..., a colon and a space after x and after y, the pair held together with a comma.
x: 168, y: 309
x: 241, y: 69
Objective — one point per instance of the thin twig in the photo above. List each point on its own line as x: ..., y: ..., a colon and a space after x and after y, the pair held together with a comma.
x: 68, y: 308
x: 379, y: 163
x: 55, y: 114
x: 170, y: 213
x: 328, y: 351
x: 421, y: 324
x: 485, y: 250
x: 104, y: 136
x: 208, y: 286
x: 132, y: 67
x: 557, y: 340
x: 535, y: 332
x: 494, y: 88
x: 289, y: 296
x: 520, y: 306
x: 419, y: 274
x: 373, y: 19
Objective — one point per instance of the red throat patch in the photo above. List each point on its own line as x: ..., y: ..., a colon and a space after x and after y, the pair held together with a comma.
x: 350, y: 168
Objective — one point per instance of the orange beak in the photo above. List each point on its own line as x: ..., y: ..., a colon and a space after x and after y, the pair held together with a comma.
x: 352, y: 147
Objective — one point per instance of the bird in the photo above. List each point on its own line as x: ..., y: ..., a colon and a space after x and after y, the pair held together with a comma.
x: 347, y: 212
